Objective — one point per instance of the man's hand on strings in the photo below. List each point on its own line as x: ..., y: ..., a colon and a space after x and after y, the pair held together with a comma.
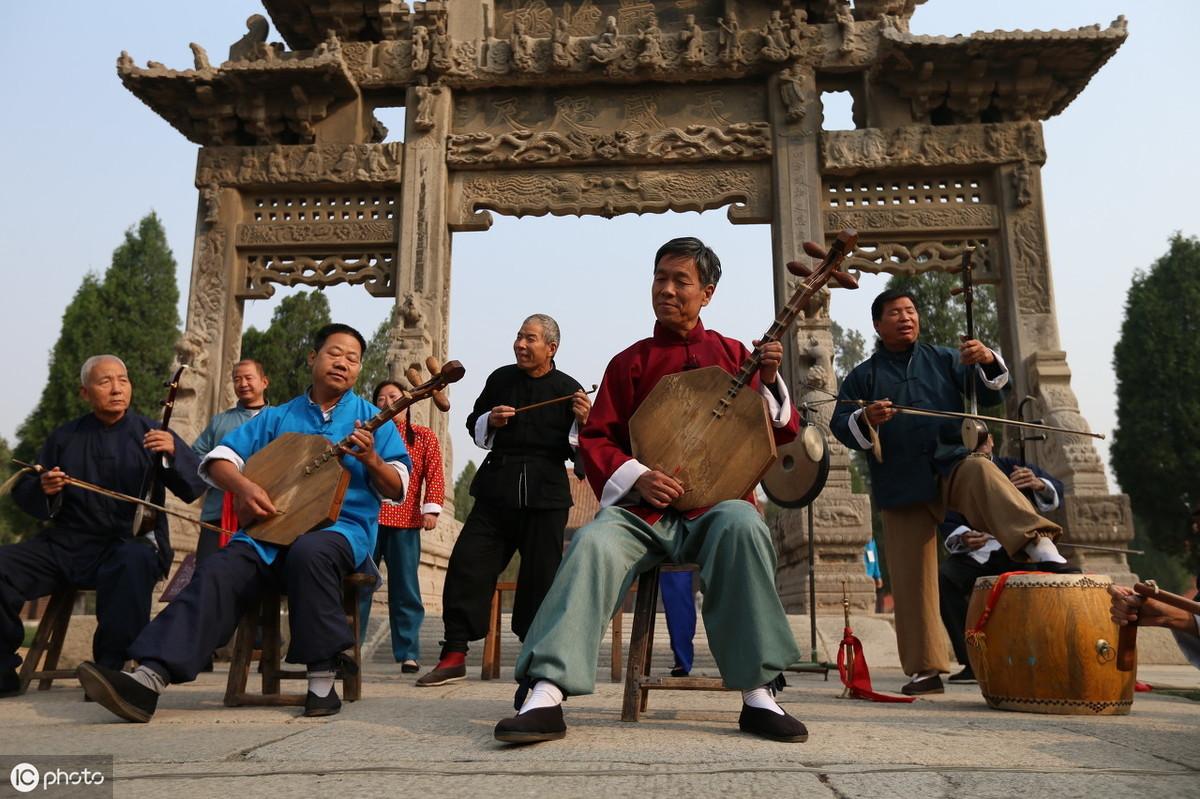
x: 772, y: 357
x: 1023, y: 478
x: 879, y: 412
x: 160, y: 441
x: 252, y: 502
x: 53, y: 481
x: 581, y: 406
x: 973, y: 351
x: 658, y: 489
x: 362, y: 446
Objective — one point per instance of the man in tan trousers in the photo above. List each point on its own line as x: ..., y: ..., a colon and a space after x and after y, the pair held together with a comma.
x: 926, y: 470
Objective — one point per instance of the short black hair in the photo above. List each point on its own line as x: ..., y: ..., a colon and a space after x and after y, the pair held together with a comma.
x: 328, y: 330
x: 890, y: 295
x: 708, y: 265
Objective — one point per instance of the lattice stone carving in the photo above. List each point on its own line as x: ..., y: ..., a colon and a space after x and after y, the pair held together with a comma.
x: 911, y: 191
x: 374, y: 270
x: 323, y: 207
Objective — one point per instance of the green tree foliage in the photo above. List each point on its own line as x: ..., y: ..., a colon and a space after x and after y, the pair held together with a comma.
x: 132, y: 313
x: 463, y: 501
x: 375, y: 365
x: 284, y: 346
x: 849, y: 349
x: 1156, y: 446
x: 13, y: 523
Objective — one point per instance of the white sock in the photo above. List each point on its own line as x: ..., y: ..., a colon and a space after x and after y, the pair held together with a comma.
x: 924, y: 674
x: 762, y: 697
x: 1042, y: 549
x: 320, y: 682
x: 544, y: 694
x: 149, y: 678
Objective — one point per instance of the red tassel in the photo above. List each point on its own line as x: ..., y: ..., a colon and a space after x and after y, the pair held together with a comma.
x: 858, y: 683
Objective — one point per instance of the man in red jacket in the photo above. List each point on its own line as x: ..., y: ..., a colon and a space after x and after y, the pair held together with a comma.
x: 637, y: 528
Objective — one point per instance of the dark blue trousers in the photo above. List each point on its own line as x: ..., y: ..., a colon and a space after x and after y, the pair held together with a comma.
x: 181, y: 639
x: 122, y: 571
x: 679, y: 605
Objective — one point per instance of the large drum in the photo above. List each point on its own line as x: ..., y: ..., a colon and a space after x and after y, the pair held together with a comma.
x: 1048, y: 646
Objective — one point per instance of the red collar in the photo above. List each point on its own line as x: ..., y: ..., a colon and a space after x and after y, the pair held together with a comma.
x: 663, y: 335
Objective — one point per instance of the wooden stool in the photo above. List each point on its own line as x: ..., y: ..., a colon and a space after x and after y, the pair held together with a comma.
x: 490, y: 669
x: 638, y: 682
x: 48, y: 641
x: 266, y: 614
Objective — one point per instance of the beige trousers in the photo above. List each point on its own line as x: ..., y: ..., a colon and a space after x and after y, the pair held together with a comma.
x: 980, y: 492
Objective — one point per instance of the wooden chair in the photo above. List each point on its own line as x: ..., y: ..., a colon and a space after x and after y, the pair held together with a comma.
x: 48, y: 642
x: 638, y: 682
x: 266, y: 614
x: 490, y: 669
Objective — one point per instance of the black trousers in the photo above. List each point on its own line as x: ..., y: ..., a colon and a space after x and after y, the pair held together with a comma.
x: 121, y: 570
x: 956, y: 579
x: 486, y: 544
x: 180, y: 641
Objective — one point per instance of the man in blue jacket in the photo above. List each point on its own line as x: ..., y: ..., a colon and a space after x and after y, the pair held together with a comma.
x: 926, y: 469
x: 977, y: 553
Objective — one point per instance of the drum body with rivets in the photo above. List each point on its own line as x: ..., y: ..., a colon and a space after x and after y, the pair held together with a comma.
x: 1048, y: 646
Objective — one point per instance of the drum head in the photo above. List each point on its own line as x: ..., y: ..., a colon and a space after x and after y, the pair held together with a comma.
x: 798, y: 476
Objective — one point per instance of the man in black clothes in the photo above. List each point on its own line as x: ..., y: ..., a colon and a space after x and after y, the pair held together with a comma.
x: 976, y: 553
x: 90, y: 541
x: 521, y: 494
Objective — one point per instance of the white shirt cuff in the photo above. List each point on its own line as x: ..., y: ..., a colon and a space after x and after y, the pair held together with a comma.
x: 219, y: 453
x: 999, y: 381
x: 573, y: 435
x: 781, y: 412
x: 1046, y: 500
x: 954, y: 543
x: 621, y: 482
x: 483, y: 434
x: 431, y: 507
x: 401, y: 470
x: 856, y: 431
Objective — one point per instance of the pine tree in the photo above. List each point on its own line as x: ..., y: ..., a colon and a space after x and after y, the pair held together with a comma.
x: 130, y: 312
x: 463, y: 501
x: 1156, y: 447
x: 284, y: 346
x: 375, y: 364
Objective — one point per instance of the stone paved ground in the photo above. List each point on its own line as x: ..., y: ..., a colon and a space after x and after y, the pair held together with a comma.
x: 438, y: 742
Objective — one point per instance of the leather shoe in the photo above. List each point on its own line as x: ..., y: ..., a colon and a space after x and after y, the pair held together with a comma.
x: 440, y: 675
x: 769, y: 724
x: 925, y: 685
x: 327, y: 705
x: 964, y: 677
x: 541, y: 724
x: 10, y: 684
x: 117, y: 692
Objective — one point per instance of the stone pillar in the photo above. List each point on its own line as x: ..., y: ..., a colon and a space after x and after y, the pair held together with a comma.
x: 423, y: 295
x: 842, y: 518
x: 1090, y: 514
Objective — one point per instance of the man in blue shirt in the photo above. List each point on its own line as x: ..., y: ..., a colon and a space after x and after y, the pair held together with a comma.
x: 249, y: 384
x: 176, y: 645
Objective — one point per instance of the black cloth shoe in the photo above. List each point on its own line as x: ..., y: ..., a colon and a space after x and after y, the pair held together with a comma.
x: 117, y: 692
x: 926, y: 685
x: 328, y: 705
x: 769, y: 724
x: 10, y: 684
x: 964, y: 677
x: 679, y: 671
x: 410, y: 667
x: 542, y: 724
x: 441, y: 676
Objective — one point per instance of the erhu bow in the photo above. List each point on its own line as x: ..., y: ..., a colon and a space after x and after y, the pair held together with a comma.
x: 146, y: 515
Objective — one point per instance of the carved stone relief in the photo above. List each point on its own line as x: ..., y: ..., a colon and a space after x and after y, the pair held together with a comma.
x: 910, y: 220
x: 737, y: 142
x: 375, y: 271
x: 609, y: 192
x: 848, y: 151
x: 323, y: 233
x: 300, y: 164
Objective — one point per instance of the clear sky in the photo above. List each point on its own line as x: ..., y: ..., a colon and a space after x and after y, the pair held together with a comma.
x: 82, y: 160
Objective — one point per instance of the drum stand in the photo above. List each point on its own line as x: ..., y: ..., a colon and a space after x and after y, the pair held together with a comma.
x: 812, y: 665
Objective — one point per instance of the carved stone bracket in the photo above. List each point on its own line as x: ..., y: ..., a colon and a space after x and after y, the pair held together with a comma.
x: 373, y: 270
x: 846, y: 152
x: 319, y: 233
x: 915, y: 258
x: 609, y: 192
x: 282, y: 165
x: 741, y: 141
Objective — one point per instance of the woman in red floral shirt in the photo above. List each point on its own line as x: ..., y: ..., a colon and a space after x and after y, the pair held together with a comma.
x: 400, y: 525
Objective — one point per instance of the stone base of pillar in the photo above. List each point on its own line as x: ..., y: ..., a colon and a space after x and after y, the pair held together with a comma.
x: 843, y: 529
x: 1104, y: 520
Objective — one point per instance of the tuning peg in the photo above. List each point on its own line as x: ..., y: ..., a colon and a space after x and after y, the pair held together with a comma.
x: 845, y: 280
x: 413, y: 376
x: 799, y: 269
x: 433, y: 365
x: 815, y: 250
x: 441, y: 401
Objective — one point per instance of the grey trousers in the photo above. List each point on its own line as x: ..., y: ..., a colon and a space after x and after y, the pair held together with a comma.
x: 747, y: 628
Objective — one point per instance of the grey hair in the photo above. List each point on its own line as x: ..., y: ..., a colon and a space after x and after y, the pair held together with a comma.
x: 549, y: 326
x: 91, y: 362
